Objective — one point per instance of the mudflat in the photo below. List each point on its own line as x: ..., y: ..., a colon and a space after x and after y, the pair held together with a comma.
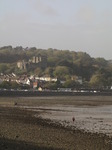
x: 21, y: 130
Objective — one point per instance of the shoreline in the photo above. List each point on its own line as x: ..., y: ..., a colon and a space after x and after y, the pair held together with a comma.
x: 21, y: 130
x: 89, y: 119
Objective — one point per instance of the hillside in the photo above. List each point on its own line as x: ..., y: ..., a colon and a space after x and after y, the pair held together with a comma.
x: 63, y: 64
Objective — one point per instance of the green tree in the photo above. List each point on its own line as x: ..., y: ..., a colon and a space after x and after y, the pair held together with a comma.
x: 71, y: 84
x: 14, y: 85
x: 61, y: 72
x: 38, y: 71
x: 98, y: 81
x: 50, y: 86
x: 3, y: 68
x: 5, y: 85
x: 49, y: 71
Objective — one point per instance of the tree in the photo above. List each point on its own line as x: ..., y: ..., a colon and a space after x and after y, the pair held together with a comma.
x: 97, y: 81
x: 101, y: 62
x: 71, y: 84
x: 49, y: 71
x: 14, y: 85
x: 38, y: 71
x: 5, y: 85
x: 50, y: 86
x: 3, y: 68
x: 61, y: 72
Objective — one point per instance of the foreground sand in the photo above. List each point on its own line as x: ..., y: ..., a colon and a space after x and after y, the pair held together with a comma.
x: 20, y: 130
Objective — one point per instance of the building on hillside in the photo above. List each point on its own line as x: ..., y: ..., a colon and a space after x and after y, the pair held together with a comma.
x: 40, y: 89
x: 77, y: 79
x: 35, y: 61
x: 47, y: 79
x: 39, y: 60
x: 22, y: 65
x: 35, y: 84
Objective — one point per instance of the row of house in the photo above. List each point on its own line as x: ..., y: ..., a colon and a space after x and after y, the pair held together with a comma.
x: 32, y: 81
x: 25, y: 80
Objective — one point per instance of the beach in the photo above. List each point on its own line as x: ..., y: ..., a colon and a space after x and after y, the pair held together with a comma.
x: 38, y: 123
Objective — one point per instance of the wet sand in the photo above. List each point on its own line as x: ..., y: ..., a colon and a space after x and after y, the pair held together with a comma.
x: 22, y: 128
x: 91, y: 119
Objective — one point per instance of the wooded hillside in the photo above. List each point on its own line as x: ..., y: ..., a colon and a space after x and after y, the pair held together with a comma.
x: 63, y: 64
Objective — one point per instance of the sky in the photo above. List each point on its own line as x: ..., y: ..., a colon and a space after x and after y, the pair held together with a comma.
x: 76, y: 25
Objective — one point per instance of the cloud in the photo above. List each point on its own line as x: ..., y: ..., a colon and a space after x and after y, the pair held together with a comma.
x: 44, y: 23
x: 85, y: 14
x: 43, y: 8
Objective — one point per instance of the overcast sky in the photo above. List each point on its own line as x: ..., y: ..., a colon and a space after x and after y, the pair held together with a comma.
x: 77, y: 25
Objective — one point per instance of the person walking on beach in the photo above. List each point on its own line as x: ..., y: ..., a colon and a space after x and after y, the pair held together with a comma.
x: 73, y: 119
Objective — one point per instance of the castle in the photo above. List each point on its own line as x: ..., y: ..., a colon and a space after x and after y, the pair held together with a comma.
x: 35, y: 61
